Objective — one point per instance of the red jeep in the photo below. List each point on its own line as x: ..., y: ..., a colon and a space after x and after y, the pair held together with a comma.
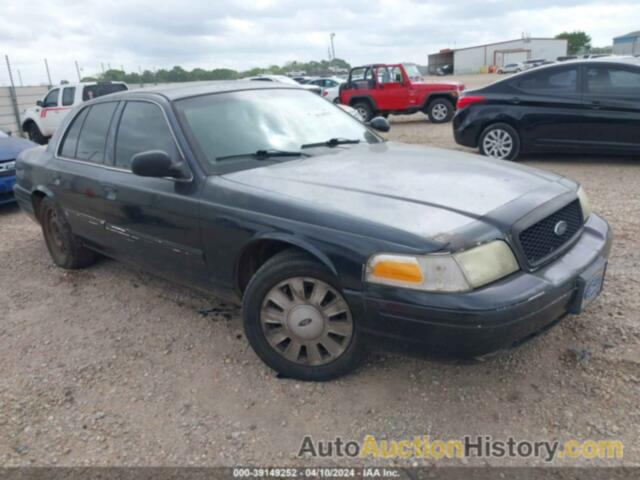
x: 383, y: 89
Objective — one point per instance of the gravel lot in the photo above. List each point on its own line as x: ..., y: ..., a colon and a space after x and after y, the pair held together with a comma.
x: 111, y: 366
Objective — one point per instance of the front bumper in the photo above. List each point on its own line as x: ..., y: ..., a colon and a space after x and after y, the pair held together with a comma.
x: 6, y: 188
x: 492, y: 318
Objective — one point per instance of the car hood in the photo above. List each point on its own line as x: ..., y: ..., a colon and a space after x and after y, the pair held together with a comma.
x: 11, y: 147
x: 421, y: 190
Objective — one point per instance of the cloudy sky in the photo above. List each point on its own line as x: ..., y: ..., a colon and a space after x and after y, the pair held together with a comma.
x: 240, y: 34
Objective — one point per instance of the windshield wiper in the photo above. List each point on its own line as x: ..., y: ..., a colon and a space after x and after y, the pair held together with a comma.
x: 264, y: 154
x: 332, y: 142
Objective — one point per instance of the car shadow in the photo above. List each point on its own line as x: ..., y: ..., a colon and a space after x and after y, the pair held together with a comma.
x: 583, y: 158
x: 9, y: 208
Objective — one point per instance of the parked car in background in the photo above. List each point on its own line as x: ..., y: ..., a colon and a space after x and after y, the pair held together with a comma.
x: 383, y: 89
x: 511, y: 68
x: 330, y: 87
x: 286, y: 80
x: 578, y: 106
x: 332, y: 237
x: 10, y: 147
x: 536, y: 62
x: 40, y: 122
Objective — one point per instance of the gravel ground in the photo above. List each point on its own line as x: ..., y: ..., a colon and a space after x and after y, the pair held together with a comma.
x: 111, y: 366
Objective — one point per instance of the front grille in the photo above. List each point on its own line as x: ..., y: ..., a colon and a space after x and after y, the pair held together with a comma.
x: 541, y: 240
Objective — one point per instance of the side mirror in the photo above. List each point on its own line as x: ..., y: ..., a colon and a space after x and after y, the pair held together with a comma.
x: 156, y: 163
x: 39, y: 103
x: 380, y: 124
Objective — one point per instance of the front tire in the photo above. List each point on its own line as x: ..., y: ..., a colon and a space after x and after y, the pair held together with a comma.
x: 440, y: 110
x: 297, y: 320
x: 65, y: 248
x: 35, y: 135
x: 500, y: 141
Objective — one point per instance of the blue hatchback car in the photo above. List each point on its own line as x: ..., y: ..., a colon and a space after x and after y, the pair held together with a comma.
x: 10, y: 147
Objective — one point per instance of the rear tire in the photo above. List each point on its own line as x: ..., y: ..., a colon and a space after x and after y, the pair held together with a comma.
x: 500, y: 141
x: 364, y: 109
x: 65, y: 248
x: 440, y: 110
x: 35, y: 135
x: 297, y: 320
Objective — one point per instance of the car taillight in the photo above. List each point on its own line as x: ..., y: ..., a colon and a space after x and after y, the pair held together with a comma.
x: 325, y: 93
x: 467, y: 100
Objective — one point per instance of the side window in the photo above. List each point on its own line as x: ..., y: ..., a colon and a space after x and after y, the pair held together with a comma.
x: 142, y: 127
x: 93, y: 136
x: 613, y: 81
x: 70, y: 142
x: 68, y: 94
x: 549, y: 81
x: 51, y: 100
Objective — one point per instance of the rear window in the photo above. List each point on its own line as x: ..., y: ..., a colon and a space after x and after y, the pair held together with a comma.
x: 101, y: 89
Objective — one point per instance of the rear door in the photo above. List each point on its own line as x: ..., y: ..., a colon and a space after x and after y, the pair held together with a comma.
x: 79, y: 165
x: 151, y: 221
x: 612, y: 100
x: 548, y: 106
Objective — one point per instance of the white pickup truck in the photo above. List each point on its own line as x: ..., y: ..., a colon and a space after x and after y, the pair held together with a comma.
x: 41, y: 121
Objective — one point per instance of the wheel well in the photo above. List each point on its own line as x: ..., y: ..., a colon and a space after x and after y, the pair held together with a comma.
x: 488, y: 124
x: 355, y: 100
x: 36, y: 200
x: 27, y: 123
x: 437, y: 96
x: 255, y: 256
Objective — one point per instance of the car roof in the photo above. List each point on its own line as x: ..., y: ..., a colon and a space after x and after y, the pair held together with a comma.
x: 194, y: 89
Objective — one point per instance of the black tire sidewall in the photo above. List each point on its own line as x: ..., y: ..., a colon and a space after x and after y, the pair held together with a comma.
x: 273, y: 272
x: 440, y: 101
x: 515, y: 152
x: 76, y: 255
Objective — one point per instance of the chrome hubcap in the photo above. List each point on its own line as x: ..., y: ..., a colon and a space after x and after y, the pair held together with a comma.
x: 498, y: 143
x: 363, y: 113
x: 306, y: 321
x: 439, y: 112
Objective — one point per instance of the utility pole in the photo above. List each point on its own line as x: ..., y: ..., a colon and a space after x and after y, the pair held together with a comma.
x: 20, y: 77
x: 78, y: 71
x: 14, y: 97
x: 102, y: 67
x: 46, y: 66
x: 333, y: 50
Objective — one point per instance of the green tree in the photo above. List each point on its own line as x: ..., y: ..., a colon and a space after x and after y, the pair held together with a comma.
x: 577, y: 41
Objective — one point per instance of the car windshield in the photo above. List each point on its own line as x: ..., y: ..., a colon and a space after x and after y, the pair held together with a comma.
x: 232, y: 127
x: 413, y: 72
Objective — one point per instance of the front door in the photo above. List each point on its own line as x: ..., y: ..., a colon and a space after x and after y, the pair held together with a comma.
x: 612, y: 101
x: 153, y: 222
x: 50, y: 112
x: 391, y: 93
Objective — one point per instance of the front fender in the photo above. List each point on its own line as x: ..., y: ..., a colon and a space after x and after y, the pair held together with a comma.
x: 294, y: 241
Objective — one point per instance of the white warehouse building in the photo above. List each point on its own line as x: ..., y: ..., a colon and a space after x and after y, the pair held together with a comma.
x: 478, y: 59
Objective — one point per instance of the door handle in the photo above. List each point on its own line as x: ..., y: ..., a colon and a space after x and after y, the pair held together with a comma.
x: 595, y: 105
x: 516, y: 100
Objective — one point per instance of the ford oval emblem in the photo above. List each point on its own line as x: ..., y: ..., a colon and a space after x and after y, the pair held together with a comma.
x: 560, y: 228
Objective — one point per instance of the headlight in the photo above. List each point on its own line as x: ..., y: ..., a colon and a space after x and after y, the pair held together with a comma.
x: 444, y: 272
x: 584, y: 203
